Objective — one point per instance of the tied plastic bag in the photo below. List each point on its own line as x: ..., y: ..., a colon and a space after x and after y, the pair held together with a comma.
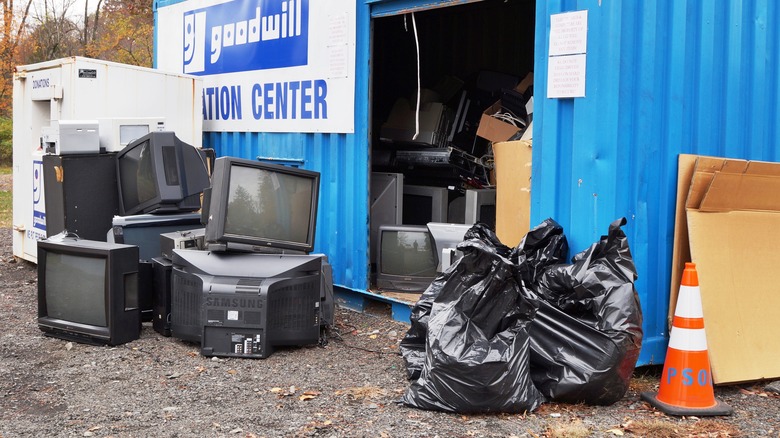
x: 543, y: 246
x: 586, y: 336
x: 412, y: 346
x: 473, y: 323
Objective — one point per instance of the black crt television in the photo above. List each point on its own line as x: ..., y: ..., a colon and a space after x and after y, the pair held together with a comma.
x: 261, y: 207
x: 239, y: 304
x: 407, y: 258
x: 88, y: 291
x: 158, y: 173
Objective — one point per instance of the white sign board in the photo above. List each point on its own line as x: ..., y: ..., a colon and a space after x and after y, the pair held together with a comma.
x: 566, y: 76
x: 567, y: 55
x: 568, y: 33
x: 267, y: 65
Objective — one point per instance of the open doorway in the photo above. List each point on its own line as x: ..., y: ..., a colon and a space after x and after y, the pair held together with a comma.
x: 428, y: 163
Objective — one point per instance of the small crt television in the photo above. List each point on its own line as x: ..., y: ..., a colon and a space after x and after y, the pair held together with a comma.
x: 260, y: 207
x: 88, y: 291
x: 407, y: 258
x: 158, y: 173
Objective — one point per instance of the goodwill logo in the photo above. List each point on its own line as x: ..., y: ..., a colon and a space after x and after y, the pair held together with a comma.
x: 246, y: 35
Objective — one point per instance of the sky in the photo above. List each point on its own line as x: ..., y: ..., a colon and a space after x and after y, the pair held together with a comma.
x: 75, y: 10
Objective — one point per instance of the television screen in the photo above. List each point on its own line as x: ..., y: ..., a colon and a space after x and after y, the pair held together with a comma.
x: 159, y: 173
x: 88, y: 291
x: 261, y: 207
x: 407, y: 258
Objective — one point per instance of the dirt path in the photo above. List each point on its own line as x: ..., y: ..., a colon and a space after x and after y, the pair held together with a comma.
x: 6, y: 182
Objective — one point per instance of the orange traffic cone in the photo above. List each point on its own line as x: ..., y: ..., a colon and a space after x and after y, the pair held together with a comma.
x: 686, y: 383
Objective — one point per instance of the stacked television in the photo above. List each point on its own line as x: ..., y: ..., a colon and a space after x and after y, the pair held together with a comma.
x: 93, y: 290
x: 240, y: 284
x: 405, y: 222
x: 254, y: 285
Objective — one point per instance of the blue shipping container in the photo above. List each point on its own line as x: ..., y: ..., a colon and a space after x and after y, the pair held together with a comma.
x: 662, y: 78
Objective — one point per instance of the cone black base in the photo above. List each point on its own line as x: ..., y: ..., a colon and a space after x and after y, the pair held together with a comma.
x: 720, y: 408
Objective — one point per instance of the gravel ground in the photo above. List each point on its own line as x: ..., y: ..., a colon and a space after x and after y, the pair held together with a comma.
x: 159, y: 386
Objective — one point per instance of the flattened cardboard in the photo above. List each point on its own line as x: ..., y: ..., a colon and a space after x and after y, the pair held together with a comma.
x: 513, y: 190
x: 726, y: 223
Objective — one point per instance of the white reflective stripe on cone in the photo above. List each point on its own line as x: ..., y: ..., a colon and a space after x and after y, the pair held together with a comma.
x: 689, y: 303
x: 688, y: 339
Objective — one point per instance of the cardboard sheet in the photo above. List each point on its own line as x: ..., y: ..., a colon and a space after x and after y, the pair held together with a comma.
x: 513, y: 190
x: 728, y: 219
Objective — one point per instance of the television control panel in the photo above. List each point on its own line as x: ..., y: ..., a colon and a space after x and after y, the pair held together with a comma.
x: 235, y: 342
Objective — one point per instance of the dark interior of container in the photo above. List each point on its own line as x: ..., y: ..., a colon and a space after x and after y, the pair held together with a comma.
x: 459, y: 41
x: 476, y: 53
x: 482, y: 47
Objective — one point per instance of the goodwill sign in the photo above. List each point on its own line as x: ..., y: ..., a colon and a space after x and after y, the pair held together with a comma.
x: 267, y: 65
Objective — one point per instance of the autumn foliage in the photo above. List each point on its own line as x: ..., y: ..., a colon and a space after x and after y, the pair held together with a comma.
x: 112, y: 30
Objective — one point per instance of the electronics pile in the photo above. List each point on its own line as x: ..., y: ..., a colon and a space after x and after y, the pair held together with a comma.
x: 431, y: 176
x: 238, y: 278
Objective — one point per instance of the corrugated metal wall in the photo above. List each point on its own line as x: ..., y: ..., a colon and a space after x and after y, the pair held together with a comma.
x: 342, y: 217
x: 663, y: 78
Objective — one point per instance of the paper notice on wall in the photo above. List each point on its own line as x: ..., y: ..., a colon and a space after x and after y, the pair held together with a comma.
x: 566, y: 76
x: 568, y: 33
x: 567, y: 55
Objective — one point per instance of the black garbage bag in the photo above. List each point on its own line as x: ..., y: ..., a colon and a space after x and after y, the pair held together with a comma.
x: 543, y: 246
x: 412, y: 346
x: 586, y: 336
x: 474, y: 324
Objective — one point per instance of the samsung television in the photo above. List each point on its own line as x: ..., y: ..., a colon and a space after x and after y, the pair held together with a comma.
x: 239, y: 304
x: 261, y: 207
x: 407, y: 258
x: 88, y: 291
x: 158, y: 173
x: 423, y: 204
x: 446, y: 238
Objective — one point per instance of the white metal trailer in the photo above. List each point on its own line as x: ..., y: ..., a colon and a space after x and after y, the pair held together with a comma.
x: 79, y: 88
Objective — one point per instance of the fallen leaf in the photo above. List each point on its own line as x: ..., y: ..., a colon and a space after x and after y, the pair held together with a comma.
x: 372, y: 337
x: 617, y: 432
x: 232, y: 371
x: 304, y: 397
x: 94, y: 428
x: 276, y: 390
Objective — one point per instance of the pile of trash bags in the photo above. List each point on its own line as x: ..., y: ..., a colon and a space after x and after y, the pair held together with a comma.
x: 507, y: 329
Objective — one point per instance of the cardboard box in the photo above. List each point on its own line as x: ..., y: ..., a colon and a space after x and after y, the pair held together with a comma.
x: 497, y: 130
x: 728, y: 214
x: 512, y: 162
